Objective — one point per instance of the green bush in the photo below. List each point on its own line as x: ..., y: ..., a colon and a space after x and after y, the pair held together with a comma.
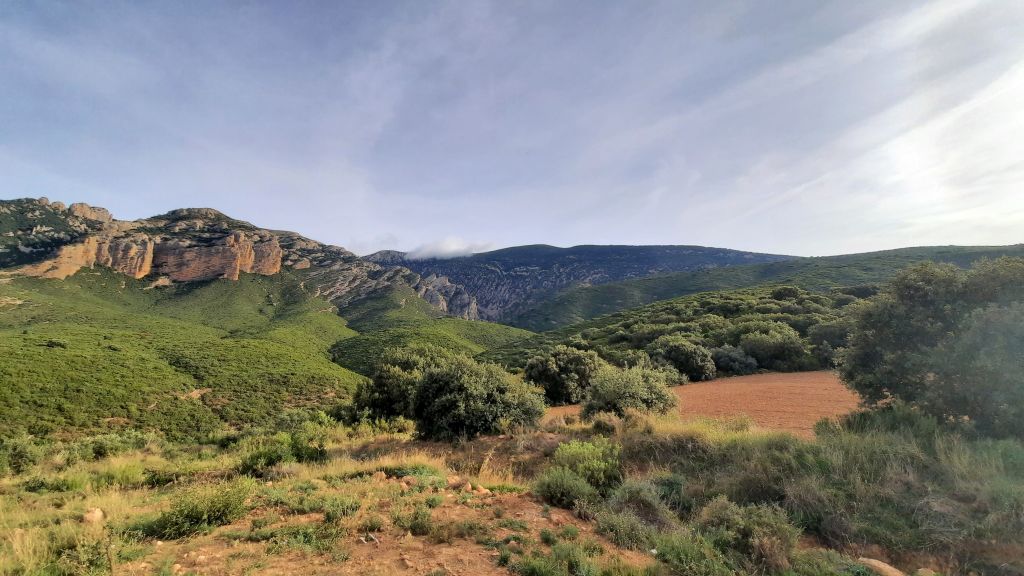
x: 19, y: 454
x: 271, y: 452
x: 463, y: 399
x: 565, y: 373
x: 562, y: 487
x: 396, y: 378
x: 947, y: 342
x: 733, y: 360
x: 338, y: 508
x: 760, y: 536
x: 200, y: 509
x: 691, y: 360
x: 689, y: 554
x: 643, y: 500
x: 618, y: 390
x: 598, y: 462
x: 626, y: 529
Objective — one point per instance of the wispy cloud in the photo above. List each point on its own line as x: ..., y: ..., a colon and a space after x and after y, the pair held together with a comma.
x: 792, y: 128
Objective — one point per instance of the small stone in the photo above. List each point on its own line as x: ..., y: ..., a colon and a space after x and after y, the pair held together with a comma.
x: 467, y: 487
x: 410, y: 480
x: 93, y: 516
x: 454, y: 482
x: 379, y: 476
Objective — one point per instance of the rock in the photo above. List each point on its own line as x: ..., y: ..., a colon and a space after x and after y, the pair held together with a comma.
x: 880, y: 568
x: 379, y: 476
x: 453, y: 482
x: 93, y: 516
x: 483, y: 491
x: 467, y: 487
x: 410, y: 480
x: 87, y: 212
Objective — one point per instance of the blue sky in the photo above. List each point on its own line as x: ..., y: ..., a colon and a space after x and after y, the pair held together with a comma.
x: 804, y: 127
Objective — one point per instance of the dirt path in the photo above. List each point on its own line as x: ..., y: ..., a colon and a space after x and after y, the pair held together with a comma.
x: 792, y: 402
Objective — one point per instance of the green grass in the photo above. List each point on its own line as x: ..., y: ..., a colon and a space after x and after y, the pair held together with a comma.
x: 581, y: 304
x: 397, y: 317
x: 133, y: 355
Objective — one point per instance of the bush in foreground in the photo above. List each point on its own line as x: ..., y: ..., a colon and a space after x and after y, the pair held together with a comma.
x: 201, y: 509
x: 560, y: 486
x: 463, y: 399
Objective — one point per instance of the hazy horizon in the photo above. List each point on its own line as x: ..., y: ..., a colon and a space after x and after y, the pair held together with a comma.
x: 447, y: 127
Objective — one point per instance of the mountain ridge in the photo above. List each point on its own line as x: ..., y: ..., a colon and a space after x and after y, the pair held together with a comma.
x: 508, y: 280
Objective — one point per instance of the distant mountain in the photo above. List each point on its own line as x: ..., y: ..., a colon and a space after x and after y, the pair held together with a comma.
x: 39, y: 238
x: 821, y: 273
x: 506, y: 282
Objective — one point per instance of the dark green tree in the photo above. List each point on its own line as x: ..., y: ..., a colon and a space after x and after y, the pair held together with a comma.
x: 463, y: 399
x: 693, y: 360
x: 565, y: 374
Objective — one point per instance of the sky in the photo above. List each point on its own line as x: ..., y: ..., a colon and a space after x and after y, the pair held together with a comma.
x: 805, y: 128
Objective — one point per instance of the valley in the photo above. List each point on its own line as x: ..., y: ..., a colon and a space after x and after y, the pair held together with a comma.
x: 194, y: 394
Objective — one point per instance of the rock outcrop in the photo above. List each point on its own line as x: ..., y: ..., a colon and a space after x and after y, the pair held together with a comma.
x: 50, y: 240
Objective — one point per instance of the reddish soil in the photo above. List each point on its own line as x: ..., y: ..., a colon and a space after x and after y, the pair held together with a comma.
x: 793, y: 402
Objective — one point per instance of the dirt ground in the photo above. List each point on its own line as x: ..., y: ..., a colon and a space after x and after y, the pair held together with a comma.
x: 791, y: 402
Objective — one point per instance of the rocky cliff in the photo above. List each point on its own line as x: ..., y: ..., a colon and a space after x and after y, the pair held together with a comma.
x: 46, y: 239
x: 506, y: 283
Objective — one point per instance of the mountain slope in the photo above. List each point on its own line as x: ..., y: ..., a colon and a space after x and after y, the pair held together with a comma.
x: 505, y: 282
x: 581, y: 304
x: 45, y: 239
x: 99, y: 349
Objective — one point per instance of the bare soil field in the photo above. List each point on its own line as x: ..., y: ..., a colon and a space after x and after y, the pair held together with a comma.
x: 793, y: 402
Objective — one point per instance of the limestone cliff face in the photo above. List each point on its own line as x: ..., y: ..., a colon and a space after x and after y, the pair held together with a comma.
x: 182, y: 261
x: 50, y: 240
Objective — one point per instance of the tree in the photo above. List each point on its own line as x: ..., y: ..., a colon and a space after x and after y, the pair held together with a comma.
x: 463, y: 399
x: 979, y: 372
x: 565, y: 374
x: 617, y: 390
x: 947, y: 343
x: 733, y: 360
x: 392, y: 391
x: 690, y: 359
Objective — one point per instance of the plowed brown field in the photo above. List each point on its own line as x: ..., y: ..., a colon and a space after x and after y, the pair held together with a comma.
x: 792, y: 401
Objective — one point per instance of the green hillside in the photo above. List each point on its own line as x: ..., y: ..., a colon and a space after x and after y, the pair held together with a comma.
x: 794, y: 329
x: 100, y: 349
x: 397, y: 317
x: 580, y: 304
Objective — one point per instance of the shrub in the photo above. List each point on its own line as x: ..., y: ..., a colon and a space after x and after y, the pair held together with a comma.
x: 18, y: 454
x: 200, y: 509
x: 419, y: 522
x: 733, y: 360
x: 565, y: 374
x: 396, y: 378
x: 626, y: 529
x: 778, y: 347
x: 272, y: 451
x: 562, y: 487
x: 335, y: 509
x: 690, y: 554
x: 947, y: 342
x: 694, y: 361
x: 464, y: 399
x: 614, y: 390
x: 760, y: 535
x: 642, y: 499
x: 597, y: 462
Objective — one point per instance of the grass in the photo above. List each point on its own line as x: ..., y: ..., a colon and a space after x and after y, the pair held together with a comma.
x: 182, y: 360
x: 397, y: 318
x: 188, y: 359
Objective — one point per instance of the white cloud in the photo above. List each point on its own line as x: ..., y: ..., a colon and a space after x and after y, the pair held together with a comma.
x: 450, y: 247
